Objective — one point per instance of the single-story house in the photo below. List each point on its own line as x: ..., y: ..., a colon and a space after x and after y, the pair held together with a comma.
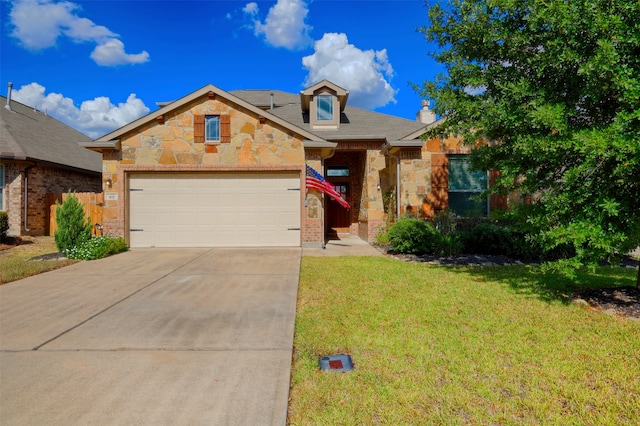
x: 40, y: 155
x: 218, y: 168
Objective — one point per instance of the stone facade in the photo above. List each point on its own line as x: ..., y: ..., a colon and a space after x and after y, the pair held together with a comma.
x: 41, y: 180
x: 258, y: 139
x: 168, y: 145
x: 313, y: 216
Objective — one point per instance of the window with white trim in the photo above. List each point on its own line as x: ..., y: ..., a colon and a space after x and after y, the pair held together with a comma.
x: 324, y: 108
x: 212, y: 128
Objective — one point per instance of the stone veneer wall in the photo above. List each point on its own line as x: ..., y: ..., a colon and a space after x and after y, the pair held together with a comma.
x: 375, y: 173
x: 13, y: 196
x: 415, y: 178
x: 42, y: 180
x: 168, y: 144
x: 312, y: 218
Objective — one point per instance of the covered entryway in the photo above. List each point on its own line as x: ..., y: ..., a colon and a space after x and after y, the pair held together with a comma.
x: 253, y: 209
x: 345, y: 171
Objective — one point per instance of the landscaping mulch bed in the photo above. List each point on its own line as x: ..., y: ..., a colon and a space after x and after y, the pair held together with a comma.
x: 49, y: 256
x: 623, y: 301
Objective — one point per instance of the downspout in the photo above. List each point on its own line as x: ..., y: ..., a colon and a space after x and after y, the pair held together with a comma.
x: 26, y: 197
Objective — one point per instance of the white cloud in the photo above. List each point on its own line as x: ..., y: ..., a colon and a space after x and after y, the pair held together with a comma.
x: 39, y: 23
x: 111, y: 52
x: 284, y: 25
x: 251, y: 8
x: 365, y: 73
x: 94, y: 118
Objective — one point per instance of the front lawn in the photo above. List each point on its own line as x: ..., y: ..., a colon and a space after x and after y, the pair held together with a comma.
x: 15, y: 263
x: 444, y: 345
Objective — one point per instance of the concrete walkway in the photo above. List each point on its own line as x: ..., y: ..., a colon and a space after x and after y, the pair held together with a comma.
x: 150, y: 337
x: 344, y: 246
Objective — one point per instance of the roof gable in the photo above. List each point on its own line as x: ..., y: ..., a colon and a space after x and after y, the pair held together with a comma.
x: 208, y: 90
x: 323, y: 86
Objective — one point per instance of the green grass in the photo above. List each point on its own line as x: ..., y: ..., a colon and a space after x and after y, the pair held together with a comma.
x: 15, y: 263
x: 437, y: 345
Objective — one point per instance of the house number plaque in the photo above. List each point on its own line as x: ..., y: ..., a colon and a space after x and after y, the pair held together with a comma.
x: 111, y: 196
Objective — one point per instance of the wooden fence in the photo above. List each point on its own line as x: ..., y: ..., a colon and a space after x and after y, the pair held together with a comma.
x: 92, y: 203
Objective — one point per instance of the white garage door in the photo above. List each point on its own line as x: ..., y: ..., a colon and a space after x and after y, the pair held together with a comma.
x: 214, y: 210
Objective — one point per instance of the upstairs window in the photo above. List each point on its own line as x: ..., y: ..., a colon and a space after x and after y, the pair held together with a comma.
x: 324, y: 108
x: 212, y: 128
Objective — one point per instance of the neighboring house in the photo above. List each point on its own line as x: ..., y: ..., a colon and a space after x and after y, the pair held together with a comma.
x: 39, y: 155
x: 218, y: 168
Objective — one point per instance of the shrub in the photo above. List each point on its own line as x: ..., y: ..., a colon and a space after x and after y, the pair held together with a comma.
x: 4, y: 225
x: 413, y: 236
x: 450, y: 244
x: 529, y: 249
x: 97, y: 248
x: 487, y: 238
x: 445, y: 222
x: 382, y: 239
x: 72, y: 229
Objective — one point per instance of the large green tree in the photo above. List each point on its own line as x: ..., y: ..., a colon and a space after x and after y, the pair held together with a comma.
x: 554, y: 85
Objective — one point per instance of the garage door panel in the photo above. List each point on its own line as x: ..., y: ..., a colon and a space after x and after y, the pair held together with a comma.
x: 269, y: 219
x: 196, y: 210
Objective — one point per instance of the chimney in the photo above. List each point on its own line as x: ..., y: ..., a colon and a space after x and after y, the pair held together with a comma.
x: 425, y: 115
x: 271, y: 101
x: 8, y: 105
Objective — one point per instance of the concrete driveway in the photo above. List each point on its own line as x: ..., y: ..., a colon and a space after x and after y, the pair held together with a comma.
x: 152, y: 336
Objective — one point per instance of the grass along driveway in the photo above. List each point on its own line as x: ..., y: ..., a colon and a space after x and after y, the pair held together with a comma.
x: 447, y: 345
x: 15, y: 262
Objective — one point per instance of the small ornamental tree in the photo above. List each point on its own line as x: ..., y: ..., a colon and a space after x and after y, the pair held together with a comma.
x: 72, y: 230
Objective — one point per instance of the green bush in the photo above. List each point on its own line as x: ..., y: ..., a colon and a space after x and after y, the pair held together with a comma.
x: 487, y: 238
x: 97, y: 248
x: 445, y: 222
x: 382, y: 239
x: 528, y: 249
x: 450, y: 244
x: 4, y: 225
x: 72, y: 229
x: 413, y: 236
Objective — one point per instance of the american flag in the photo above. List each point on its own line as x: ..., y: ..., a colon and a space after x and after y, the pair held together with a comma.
x: 316, y: 181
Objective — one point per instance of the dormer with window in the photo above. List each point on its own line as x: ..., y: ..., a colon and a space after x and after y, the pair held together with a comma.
x: 323, y: 103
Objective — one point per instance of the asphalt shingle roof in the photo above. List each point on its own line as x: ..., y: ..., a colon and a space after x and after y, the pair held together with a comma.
x: 356, y: 123
x: 262, y: 98
x: 32, y: 135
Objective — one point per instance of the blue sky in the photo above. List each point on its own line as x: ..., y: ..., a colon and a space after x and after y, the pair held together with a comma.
x: 97, y: 65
